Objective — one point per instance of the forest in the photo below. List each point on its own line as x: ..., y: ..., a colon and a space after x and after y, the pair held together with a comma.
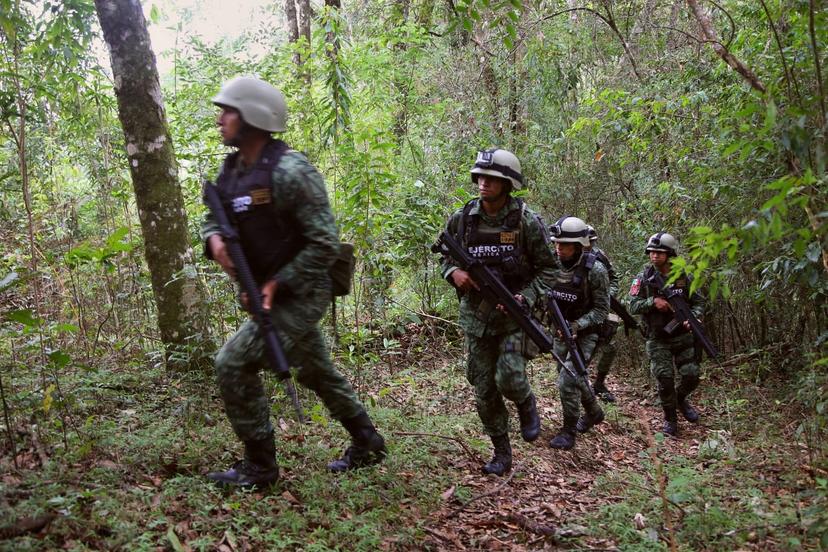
x: 702, y: 118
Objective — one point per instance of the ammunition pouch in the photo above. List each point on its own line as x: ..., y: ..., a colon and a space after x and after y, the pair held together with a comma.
x: 342, y: 270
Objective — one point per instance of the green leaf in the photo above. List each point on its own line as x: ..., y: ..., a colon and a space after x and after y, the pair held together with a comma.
x: 25, y: 317
x: 174, y: 542
x: 59, y: 358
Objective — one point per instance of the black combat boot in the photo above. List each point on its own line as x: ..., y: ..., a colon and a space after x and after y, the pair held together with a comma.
x: 257, y: 469
x: 667, y: 394
x: 593, y: 415
x: 600, y: 389
x: 565, y: 439
x: 530, y: 422
x: 367, y: 445
x: 501, y: 462
x: 687, y: 385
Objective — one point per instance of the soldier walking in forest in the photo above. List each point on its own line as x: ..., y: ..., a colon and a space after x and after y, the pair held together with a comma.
x: 581, y: 289
x: 502, y: 232
x: 665, y: 348
x: 279, y: 206
x: 605, y: 349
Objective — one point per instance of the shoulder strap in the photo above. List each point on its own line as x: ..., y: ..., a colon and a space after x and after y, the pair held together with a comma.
x: 465, y: 221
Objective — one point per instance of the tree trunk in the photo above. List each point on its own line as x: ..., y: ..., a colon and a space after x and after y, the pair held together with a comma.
x: 293, y: 28
x: 181, y: 313
x: 305, y: 31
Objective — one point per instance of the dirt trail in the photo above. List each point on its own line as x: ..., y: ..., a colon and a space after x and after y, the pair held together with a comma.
x: 549, y: 492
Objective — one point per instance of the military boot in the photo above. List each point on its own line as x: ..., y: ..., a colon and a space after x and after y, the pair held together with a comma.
x: 688, y: 385
x: 367, y: 445
x: 593, y: 415
x: 565, y: 439
x: 600, y: 389
x: 501, y: 462
x: 667, y: 395
x: 257, y: 469
x: 530, y: 422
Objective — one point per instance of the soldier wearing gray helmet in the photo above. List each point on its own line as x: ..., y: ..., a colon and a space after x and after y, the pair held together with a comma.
x: 278, y: 203
x: 668, y: 353
x: 581, y: 289
x: 503, y: 233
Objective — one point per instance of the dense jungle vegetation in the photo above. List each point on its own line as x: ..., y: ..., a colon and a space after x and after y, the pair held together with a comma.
x: 706, y: 119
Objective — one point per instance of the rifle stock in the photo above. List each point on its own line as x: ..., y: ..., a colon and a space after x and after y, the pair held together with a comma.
x: 273, y: 347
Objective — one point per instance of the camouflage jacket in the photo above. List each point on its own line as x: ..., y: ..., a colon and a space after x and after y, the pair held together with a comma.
x: 477, y: 318
x: 303, y: 292
x: 614, y: 280
x: 642, y: 301
x: 598, y: 286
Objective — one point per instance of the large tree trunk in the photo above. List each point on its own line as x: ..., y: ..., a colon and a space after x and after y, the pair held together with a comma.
x: 293, y: 28
x: 181, y: 313
x: 305, y: 31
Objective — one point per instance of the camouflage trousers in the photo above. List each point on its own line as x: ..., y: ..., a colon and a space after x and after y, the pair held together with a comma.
x: 573, y: 390
x: 496, y: 368
x: 664, y: 352
x: 605, y: 349
x: 242, y: 357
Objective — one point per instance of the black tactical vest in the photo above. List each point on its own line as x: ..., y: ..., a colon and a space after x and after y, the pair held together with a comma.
x: 571, y: 289
x: 656, y: 320
x: 268, y: 235
x: 501, y: 248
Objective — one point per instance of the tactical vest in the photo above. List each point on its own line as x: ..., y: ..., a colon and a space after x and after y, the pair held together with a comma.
x: 501, y: 248
x: 269, y: 238
x: 571, y: 289
x: 656, y: 320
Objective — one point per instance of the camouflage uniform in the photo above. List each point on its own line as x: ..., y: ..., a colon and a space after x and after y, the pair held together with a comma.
x: 575, y: 391
x: 301, y: 299
x: 663, y: 349
x: 606, y: 350
x: 496, y: 365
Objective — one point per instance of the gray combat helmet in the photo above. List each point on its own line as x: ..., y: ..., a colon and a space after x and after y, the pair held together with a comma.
x: 593, y: 235
x: 663, y: 242
x: 569, y: 229
x: 500, y: 163
x: 260, y: 104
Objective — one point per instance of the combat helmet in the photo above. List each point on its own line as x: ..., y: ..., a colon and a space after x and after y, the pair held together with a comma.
x: 664, y: 242
x: 569, y: 229
x: 593, y: 235
x: 260, y: 104
x: 498, y: 162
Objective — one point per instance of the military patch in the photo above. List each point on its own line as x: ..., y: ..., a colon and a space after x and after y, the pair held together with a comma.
x: 508, y: 237
x: 260, y: 196
x: 636, y: 286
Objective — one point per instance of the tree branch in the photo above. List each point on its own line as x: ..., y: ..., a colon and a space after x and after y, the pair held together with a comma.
x: 721, y: 50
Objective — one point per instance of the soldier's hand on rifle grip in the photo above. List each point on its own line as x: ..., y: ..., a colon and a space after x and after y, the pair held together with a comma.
x: 662, y: 304
x: 219, y: 252
x: 687, y: 326
x: 463, y: 281
x: 518, y: 298
x: 268, y: 293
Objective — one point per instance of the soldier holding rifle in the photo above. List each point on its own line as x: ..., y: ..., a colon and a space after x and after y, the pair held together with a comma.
x: 500, y: 232
x: 671, y: 316
x: 278, y: 205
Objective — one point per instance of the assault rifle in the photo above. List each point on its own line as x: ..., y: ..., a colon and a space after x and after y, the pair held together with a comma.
x: 630, y: 323
x: 580, y: 372
x: 681, y: 308
x: 495, y: 293
x: 273, y: 348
